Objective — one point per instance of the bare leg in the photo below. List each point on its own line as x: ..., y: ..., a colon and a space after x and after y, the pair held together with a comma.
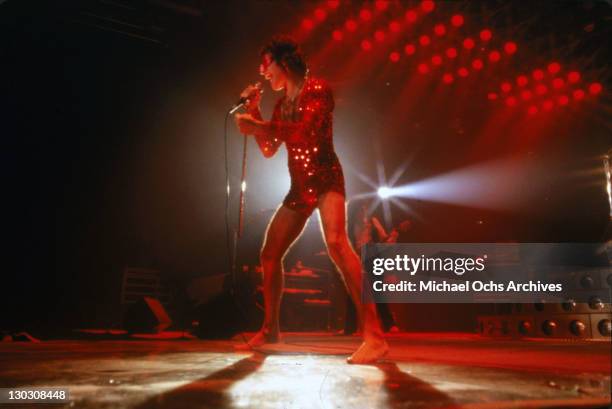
x: 333, y: 222
x: 284, y: 228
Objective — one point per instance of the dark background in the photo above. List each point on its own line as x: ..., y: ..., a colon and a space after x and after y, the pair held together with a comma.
x: 112, y: 130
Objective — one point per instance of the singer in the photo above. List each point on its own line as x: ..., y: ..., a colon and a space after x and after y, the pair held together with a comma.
x: 302, y: 119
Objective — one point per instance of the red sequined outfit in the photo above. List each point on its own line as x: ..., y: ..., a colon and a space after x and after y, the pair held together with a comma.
x: 306, y: 128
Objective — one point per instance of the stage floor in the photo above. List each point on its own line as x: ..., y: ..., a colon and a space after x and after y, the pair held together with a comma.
x: 440, y: 370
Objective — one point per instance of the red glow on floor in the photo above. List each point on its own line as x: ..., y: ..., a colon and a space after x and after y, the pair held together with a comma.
x: 448, y: 78
x: 554, y: 67
x: 395, y: 26
x: 424, y: 40
x: 427, y: 6
x: 365, y: 15
x: 526, y: 94
x: 436, y: 60
x: 381, y: 4
x: 595, y: 88
x: 486, y: 35
x: 563, y: 100
x: 320, y: 14
x: 366, y: 45
x: 578, y: 94
x: 547, y: 105
x: 541, y: 89
x: 457, y: 20
x: 411, y: 16
x: 394, y: 56
x: 333, y: 4
x: 463, y: 72
x: 494, y: 56
x: 558, y: 83
x: 511, y: 101
x: 522, y: 80
x: 538, y: 75
x: 307, y: 24
x: 532, y: 110
x: 451, y: 52
x: 351, y: 25
x: 510, y: 47
x: 492, y: 96
x: 379, y: 35
x: 573, y: 76
x: 337, y: 35
x: 468, y: 43
x: 506, y: 87
x: 423, y: 68
x: 439, y: 29
x: 477, y: 64
x: 409, y: 49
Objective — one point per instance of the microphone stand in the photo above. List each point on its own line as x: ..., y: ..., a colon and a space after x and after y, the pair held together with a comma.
x: 238, y: 232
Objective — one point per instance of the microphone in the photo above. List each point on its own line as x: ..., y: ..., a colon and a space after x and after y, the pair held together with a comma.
x: 243, y: 100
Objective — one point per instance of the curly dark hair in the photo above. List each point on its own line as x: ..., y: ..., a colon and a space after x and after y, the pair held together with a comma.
x: 286, y: 52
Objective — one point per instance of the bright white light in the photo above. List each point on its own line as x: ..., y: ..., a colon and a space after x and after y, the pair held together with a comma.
x: 243, y: 186
x: 384, y: 192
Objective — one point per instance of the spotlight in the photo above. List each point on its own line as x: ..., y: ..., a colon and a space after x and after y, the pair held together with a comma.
x: 595, y: 88
x: 573, y: 76
x: 541, y: 89
x: 451, y: 52
x: 538, y: 75
x: 411, y: 16
x: 382, y: 4
x: 384, y: 192
x: 409, y: 49
x: 510, y: 48
x: 486, y: 35
x: 351, y: 25
x: 395, y: 26
x: 554, y: 67
x: 320, y: 14
x: 427, y: 6
x: 468, y: 43
x: 424, y: 40
x: 457, y: 20
x: 307, y: 24
x: 558, y: 83
x: 522, y: 80
x: 447, y: 78
x: 365, y: 14
x: 477, y: 64
x: 439, y: 29
x: 494, y: 56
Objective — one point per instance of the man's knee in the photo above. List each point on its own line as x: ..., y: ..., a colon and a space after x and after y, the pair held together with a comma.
x: 336, y: 244
x: 269, y: 254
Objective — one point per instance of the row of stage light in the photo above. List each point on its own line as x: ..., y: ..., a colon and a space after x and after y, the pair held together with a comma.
x: 540, y: 92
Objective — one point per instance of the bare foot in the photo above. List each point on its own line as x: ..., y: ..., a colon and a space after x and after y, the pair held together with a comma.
x: 369, y: 352
x: 259, y: 339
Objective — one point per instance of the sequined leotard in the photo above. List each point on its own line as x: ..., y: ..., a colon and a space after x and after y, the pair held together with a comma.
x: 306, y: 129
